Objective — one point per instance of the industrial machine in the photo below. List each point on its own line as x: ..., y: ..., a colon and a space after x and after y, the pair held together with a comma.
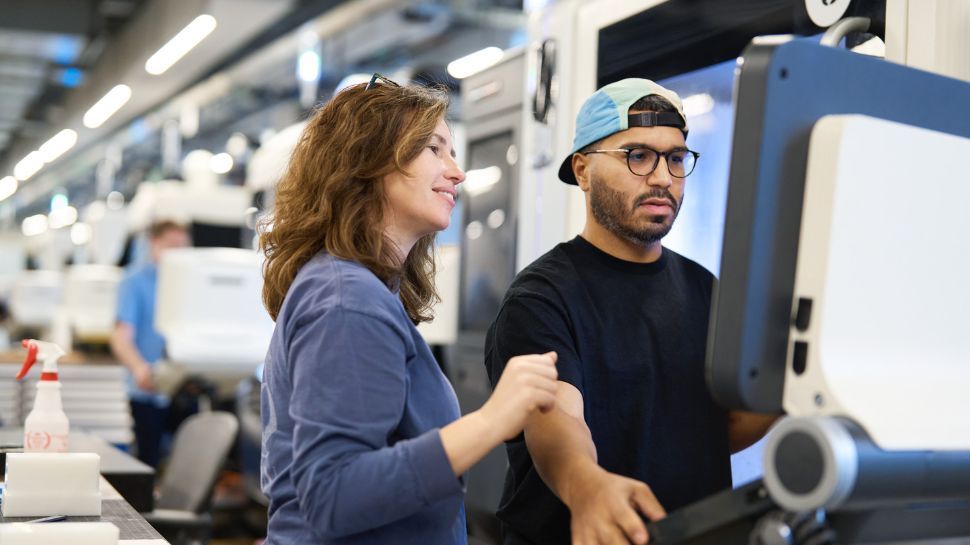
x: 837, y: 301
x: 814, y: 315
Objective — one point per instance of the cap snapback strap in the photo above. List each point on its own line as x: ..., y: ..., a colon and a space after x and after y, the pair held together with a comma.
x: 656, y: 119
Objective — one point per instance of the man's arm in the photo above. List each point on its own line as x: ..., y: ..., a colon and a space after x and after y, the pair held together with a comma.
x: 745, y: 429
x: 603, y: 505
x: 124, y: 349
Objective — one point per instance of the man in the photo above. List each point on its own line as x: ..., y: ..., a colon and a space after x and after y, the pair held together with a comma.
x: 634, y: 430
x: 138, y: 346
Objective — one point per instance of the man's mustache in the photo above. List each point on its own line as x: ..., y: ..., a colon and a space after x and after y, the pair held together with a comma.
x: 657, y: 194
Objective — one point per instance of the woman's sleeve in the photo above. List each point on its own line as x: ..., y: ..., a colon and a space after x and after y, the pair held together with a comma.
x: 349, y: 393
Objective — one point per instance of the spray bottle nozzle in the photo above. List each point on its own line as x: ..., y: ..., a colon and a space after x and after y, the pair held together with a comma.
x: 47, y: 352
x: 31, y: 358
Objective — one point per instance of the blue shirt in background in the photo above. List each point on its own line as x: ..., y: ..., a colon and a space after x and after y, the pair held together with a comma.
x: 136, y: 307
x: 352, y: 403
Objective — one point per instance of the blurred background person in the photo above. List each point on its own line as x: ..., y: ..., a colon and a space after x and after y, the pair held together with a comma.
x: 138, y: 346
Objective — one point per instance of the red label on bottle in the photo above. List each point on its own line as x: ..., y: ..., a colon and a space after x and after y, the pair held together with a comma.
x: 38, y: 440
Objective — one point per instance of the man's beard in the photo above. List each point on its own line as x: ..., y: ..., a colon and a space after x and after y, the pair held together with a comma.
x: 616, y: 215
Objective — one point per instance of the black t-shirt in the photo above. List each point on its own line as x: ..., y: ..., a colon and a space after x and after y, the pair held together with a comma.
x: 631, y: 338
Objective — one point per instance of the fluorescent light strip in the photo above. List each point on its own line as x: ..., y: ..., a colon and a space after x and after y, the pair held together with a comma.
x: 28, y: 166
x: 180, y: 44
x: 8, y: 186
x: 107, y: 106
x: 475, y: 62
x: 58, y: 145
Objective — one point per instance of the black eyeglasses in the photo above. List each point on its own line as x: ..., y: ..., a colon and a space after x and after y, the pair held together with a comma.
x: 379, y: 78
x: 642, y: 160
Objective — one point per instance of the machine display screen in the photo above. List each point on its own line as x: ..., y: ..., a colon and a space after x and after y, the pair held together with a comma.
x: 488, y: 251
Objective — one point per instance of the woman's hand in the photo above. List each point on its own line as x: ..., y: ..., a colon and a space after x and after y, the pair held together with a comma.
x: 527, y: 384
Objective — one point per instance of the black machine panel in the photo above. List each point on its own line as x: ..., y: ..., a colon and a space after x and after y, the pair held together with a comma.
x: 678, y: 36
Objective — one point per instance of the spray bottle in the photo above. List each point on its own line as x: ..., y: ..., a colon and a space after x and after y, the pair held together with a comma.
x: 46, y: 427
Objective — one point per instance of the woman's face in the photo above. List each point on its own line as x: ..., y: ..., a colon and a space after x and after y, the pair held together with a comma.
x: 420, y: 203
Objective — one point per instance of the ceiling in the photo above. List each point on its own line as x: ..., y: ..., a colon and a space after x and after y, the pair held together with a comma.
x: 58, y: 57
x: 46, y: 47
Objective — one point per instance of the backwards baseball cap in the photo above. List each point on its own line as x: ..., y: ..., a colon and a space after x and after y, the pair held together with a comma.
x: 607, y: 112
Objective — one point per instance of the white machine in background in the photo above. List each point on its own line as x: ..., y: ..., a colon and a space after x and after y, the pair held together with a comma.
x: 200, y: 202
x: 270, y: 160
x: 52, y: 249
x: 91, y: 300
x: 109, y: 231
x: 181, y: 202
x: 210, y: 311
x: 36, y: 297
x: 13, y: 261
x: 443, y: 330
x: 267, y: 165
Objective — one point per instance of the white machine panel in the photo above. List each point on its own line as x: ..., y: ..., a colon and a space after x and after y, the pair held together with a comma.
x: 210, y: 309
x: 36, y: 297
x: 884, y: 259
x: 270, y: 160
x: 443, y: 329
x: 91, y: 299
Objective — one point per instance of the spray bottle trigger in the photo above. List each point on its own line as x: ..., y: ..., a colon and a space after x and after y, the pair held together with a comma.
x: 31, y: 358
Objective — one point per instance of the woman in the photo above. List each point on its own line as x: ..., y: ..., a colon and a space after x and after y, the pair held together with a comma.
x: 362, y: 440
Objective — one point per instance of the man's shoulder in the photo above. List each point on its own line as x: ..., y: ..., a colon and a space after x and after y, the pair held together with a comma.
x: 140, y: 274
x: 687, y: 266
x: 547, y: 274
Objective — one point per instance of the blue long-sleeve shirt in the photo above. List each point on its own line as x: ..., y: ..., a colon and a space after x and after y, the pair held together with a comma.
x: 352, y: 404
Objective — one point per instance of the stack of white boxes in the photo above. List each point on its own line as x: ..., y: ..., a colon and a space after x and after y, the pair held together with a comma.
x: 95, y: 400
x: 10, y: 398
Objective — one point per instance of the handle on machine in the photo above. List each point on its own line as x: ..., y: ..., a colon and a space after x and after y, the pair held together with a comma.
x: 842, y: 28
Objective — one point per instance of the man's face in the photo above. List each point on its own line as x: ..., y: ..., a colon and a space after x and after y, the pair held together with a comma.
x: 170, y: 238
x: 640, y: 209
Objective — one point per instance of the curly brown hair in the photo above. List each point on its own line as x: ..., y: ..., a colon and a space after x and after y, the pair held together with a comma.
x: 331, y: 196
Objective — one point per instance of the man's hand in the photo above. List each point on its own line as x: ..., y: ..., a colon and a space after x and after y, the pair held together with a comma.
x: 143, y: 377
x: 605, y: 509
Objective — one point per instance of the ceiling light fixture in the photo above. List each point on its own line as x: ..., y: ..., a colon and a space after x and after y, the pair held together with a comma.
x: 8, y: 186
x: 28, y: 166
x: 180, y: 44
x: 58, y: 145
x: 107, y: 106
x: 475, y: 62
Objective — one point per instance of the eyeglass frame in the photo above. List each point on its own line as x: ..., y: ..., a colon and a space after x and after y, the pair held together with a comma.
x: 378, y: 77
x: 656, y: 162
